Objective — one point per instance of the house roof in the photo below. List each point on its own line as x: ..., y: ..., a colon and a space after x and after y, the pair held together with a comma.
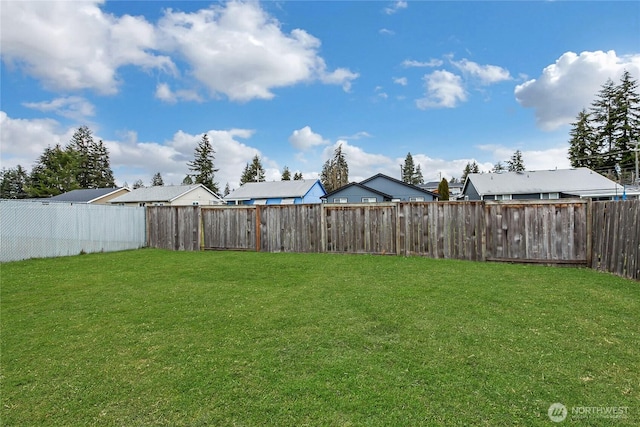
x: 272, y: 189
x: 570, y: 181
x: 159, y: 193
x: 387, y: 177
x: 84, y: 195
x: 359, y: 185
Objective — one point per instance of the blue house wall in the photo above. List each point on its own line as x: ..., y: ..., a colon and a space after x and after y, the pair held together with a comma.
x: 313, y: 195
x: 354, y: 194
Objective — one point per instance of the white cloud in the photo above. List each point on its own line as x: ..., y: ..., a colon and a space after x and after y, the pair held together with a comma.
x: 402, y: 81
x: 541, y: 159
x: 74, y: 45
x: 386, y: 31
x: 240, y: 51
x: 357, y: 135
x: 164, y: 93
x: 571, y: 84
x: 444, y: 90
x: 305, y: 139
x: 410, y: 63
x: 486, y: 74
x: 395, y: 7
x: 73, y: 107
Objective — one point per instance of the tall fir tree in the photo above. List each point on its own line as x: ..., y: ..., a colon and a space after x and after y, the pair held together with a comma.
x: 13, y: 183
x: 54, y: 173
x: 626, y: 126
x: 253, y: 172
x: 584, y: 150
x: 286, y: 174
x: 157, y: 180
x: 226, y: 191
x: 335, y: 171
x: 202, y: 165
x: 417, y: 176
x: 603, y: 122
x: 471, y: 167
x: 516, y: 162
x: 297, y: 176
x: 408, y: 169
x: 138, y: 184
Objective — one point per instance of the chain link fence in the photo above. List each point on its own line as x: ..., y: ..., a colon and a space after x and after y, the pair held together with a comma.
x: 40, y: 229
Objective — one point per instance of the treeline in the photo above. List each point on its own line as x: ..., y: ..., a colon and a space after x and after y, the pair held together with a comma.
x: 82, y: 163
x: 605, y: 136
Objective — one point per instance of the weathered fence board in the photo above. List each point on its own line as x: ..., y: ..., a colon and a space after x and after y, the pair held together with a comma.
x: 616, y: 237
x: 360, y: 228
x: 229, y: 228
x: 547, y: 232
x: 441, y: 230
x: 173, y: 227
x: 290, y: 228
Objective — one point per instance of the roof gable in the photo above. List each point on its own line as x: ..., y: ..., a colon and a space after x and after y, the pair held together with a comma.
x: 362, y: 187
x: 159, y: 193
x: 85, y: 195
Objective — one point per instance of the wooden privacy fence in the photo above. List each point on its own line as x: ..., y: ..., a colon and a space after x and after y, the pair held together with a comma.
x: 602, y: 235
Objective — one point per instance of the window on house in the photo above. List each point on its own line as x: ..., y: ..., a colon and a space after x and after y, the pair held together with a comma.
x: 550, y: 195
x: 503, y: 196
x: 260, y: 202
x: 369, y: 200
x: 340, y: 200
x: 416, y: 199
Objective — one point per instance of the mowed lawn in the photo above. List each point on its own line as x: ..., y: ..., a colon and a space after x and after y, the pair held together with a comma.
x: 152, y: 338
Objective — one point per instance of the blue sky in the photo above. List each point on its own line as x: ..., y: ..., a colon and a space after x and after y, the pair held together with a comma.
x: 449, y: 82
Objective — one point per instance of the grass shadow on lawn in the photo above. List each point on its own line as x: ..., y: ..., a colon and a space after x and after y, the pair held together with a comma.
x: 153, y: 337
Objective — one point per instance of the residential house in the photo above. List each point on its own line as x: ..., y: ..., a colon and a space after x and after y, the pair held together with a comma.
x: 95, y: 196
x: 379, y: 188
x: 170, y: 195
x: 277, y: 193
x: 542, y: 184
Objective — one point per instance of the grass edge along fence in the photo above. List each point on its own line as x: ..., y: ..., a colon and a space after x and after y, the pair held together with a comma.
x: 601, y: 235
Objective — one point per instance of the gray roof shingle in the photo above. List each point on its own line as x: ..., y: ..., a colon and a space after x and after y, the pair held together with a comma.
x: 272, y: 190
x: 83, y: 195
x: 160, y: 193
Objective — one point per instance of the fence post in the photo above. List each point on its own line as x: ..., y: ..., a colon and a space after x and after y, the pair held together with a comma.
x: 589, y: 236
x: 323, y: 228
x: 258, y: 222
x: 397, y: 225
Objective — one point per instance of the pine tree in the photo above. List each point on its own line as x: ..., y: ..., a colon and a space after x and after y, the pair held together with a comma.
x: 13, y: 183
x: 626, y: 120
x: 100, y: 173
x: 297, y: 176
x: 286, y: 174
x: 226, y: 191
x: 54, y: 173
x: 202, y: 165
x: 187, y: 180
x: 138, y: 184
x: 471, y: 167
x: 417, y: 176
x: 408, y: 169
x: 335, y: 171
x: 443, y: 190
x: 157, y: 180
x: 498, y: 167
x: 253, y: 172
x: 603, y: 122
x: 583, y: 145
x: 516, y: 163
x: 93, y: 167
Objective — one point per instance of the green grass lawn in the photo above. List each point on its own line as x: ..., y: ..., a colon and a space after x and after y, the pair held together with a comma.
x: 152, y: 337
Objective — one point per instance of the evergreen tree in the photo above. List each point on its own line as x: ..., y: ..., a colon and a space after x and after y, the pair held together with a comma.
x: 626, y: 120
x: 471, y: 167
x: 453, y: 180
x: 187, y: 180
x: 408, y: 169
x: 13, y: 183
x: 54, y: 173
x: 138, y: 184
x: 286, y: 174
x: 335, y: 171
x: 583, y: 145
x: 498, y: 167
x: 100, y: 173
x: 417, y: 176
x: 157, y: 180
x: 603, y: 122
x: 93, y: 168
x: 253, y: 172
x: 297, y: 176
x: 227, y: 190
x: 202, y: 165
x: 443, y: 190
x: 516, y: 163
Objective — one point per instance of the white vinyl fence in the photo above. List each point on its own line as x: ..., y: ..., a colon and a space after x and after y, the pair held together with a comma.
x: 36, y: 229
